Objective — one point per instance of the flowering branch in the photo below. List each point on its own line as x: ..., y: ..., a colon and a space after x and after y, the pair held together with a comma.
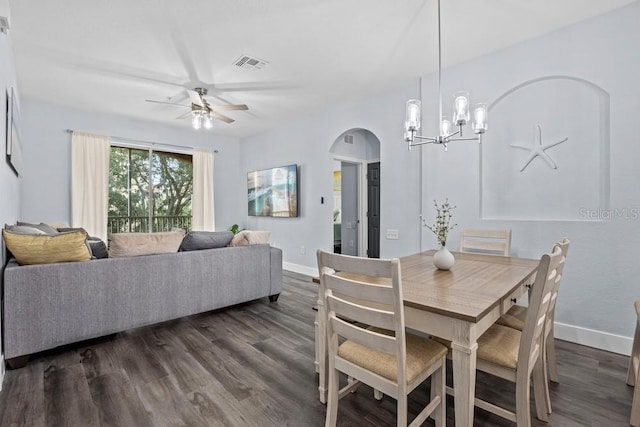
x: 443, y: 224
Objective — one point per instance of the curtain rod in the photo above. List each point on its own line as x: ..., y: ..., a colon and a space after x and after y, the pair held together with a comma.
x: 119, y: 138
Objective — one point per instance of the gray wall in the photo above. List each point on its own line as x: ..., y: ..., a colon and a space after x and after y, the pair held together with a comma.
x: 9, y: 183
x: 46, y: 184
x: 308, y: 143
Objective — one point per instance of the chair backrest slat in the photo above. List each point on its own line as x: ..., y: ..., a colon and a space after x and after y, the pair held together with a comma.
x: 541, y: 296
x: 366, y: 337
x: 382, y: 294
x: 497, y: 242
x: 366, y: 315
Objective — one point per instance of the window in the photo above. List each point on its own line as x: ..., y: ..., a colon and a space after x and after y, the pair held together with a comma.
x: 149, y: 190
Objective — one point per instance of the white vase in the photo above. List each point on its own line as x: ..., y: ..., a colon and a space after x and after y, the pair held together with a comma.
x: 443, y: 259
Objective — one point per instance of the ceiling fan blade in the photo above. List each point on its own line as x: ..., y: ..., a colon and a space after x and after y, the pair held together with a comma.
x: 229, y: 107
x: 221, y: 117
x: 184, y: 116
x: 167, y: 103
x: 195, y: 97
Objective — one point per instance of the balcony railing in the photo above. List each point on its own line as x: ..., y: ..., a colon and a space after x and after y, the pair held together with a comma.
x: 140, y: 224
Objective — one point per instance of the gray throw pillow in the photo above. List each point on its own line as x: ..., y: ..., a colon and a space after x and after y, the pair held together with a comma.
x: 196, y: 240
x: 23, y: 229
x: 98, y: 248
x: 46, y: 228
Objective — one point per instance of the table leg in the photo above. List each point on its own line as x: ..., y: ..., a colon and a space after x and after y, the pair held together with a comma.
x: 464, y: 381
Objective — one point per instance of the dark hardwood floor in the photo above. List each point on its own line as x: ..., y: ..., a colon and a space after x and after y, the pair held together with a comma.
x: 252, y: 365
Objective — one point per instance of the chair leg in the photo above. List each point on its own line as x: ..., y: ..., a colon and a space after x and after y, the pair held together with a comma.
x: 540, y: 391
x: 377, y: 394
x: 545, y: 372
x: 332, y: 401
x: 635, y: 407
x: 438, y: 388
x: 635, y: 354
x: 552, y: 363
x: 523, y: 417
x: 402, y: 410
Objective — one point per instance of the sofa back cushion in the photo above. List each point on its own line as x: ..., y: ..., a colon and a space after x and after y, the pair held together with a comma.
x: 196, y: 240
x: 45, y: 249
x: 136, y: 244
x: 250, y: 237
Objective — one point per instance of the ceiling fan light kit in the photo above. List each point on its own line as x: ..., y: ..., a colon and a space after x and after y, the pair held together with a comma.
x: 202, y: 112
x: 461, y: 114
x: 201, y: 119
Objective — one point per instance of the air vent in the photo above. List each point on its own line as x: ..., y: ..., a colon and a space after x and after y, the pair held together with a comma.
x: 348, y: 139
x: 250, y: 63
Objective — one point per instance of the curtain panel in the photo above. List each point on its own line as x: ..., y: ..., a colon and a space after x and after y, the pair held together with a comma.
x: 90, y: 182
x: 202, y: 198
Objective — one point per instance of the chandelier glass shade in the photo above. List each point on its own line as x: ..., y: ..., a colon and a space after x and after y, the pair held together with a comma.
x: 450, y: 129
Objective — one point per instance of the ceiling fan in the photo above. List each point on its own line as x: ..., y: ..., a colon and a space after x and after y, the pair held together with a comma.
x: 202, y: 111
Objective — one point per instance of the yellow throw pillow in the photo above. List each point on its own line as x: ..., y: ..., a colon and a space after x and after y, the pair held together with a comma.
x: 45, y: 249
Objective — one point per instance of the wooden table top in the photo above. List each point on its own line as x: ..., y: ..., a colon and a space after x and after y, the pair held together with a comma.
x: 473, y: 287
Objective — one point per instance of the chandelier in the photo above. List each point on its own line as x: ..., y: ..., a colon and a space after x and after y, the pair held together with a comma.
x: 201, y: 119
x: 448, y: 131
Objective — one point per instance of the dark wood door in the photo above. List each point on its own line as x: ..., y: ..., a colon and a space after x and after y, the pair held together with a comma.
x: 373, y: 210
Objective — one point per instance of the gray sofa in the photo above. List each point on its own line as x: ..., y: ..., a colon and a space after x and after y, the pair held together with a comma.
x: 50, y: 305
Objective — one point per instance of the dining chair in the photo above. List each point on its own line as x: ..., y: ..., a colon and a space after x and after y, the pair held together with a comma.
x: 381, y: 354
x: 633, y: 373
x: 515, y: 318
x: 517, y: 356
x: 495, y: 242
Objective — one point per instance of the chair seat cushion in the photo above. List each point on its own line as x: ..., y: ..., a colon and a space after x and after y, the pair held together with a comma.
x: 421, y: 354
x: 514, y: 318
x: 500, y: 345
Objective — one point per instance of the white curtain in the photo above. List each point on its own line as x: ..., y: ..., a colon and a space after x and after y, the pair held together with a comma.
x: 202, y: 198
x: 90, y: 182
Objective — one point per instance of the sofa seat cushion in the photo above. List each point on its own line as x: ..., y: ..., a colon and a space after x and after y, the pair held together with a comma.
x: 31, y: 249
x: 136, y: 244
x: 196, y: 240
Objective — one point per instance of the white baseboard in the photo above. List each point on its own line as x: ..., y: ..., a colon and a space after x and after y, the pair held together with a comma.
x: 592, y: 338
x: 576, y: 334
x: 301, y: 269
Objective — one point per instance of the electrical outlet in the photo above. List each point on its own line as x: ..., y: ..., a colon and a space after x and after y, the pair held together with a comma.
x: 303, y: 250
x: 392, y: 234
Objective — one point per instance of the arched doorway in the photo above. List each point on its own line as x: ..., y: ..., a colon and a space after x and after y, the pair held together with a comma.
x: 356, y: 193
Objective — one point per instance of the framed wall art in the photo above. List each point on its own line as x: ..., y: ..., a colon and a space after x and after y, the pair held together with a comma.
x: 14, y: 149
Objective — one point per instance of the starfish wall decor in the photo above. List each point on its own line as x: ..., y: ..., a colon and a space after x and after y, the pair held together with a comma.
x: 537, y: 149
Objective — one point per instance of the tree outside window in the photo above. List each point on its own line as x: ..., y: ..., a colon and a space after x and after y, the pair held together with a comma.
x: 149, y: 190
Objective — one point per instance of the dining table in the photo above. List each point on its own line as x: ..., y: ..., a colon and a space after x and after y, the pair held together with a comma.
x: 457, y: 305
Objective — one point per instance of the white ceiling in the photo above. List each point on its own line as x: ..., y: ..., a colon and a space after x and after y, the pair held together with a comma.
x: 109, y: 56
